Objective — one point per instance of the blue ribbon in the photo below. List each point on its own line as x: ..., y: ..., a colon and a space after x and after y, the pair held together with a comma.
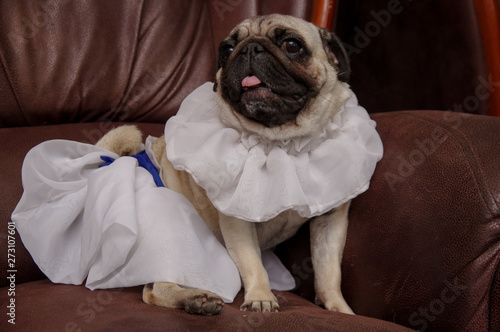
x: 144, y: 161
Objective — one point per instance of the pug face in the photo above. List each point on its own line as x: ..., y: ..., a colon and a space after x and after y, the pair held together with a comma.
x: 275, y: 74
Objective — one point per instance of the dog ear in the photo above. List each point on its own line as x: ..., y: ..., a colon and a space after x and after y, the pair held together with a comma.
x: 217, y: 67
x: 336, y: 53
x: 215, y: 85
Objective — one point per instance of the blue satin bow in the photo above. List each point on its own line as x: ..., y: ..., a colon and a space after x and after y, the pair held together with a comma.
x: 144, y: 161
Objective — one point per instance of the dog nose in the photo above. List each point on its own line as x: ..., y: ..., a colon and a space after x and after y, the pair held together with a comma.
x: 252, y: 49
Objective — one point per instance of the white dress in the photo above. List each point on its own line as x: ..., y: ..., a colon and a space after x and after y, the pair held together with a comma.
x: 113, y: 227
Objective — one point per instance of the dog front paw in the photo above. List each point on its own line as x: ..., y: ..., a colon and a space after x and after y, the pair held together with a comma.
x: 260, y: 306
x: 269, y: 304
x: 339, y: 305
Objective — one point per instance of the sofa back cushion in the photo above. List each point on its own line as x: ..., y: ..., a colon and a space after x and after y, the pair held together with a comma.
x: 81, y: 61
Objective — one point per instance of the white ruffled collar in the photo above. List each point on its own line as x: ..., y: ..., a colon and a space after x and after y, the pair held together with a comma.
x: 293, y: 146
x: 251, y: 178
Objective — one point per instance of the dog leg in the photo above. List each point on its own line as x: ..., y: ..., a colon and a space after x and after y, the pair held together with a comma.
x: 124, y: 140
x: 193, y: 301
x: 328, y: 235
x: 241, y: 241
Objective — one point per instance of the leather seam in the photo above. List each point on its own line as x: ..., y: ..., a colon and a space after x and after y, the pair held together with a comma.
x: 122, y: 104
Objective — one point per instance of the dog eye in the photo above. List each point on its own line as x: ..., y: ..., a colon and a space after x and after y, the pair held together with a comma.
x: 225, y: 52
x: 291, y: 45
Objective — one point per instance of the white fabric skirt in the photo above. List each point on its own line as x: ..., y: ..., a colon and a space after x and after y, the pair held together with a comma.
x: 113, y: 227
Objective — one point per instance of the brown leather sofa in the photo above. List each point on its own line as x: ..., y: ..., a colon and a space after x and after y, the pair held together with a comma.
x: 423, y: 242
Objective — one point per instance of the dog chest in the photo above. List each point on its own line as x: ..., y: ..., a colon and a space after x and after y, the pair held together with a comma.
x: 279, y: 229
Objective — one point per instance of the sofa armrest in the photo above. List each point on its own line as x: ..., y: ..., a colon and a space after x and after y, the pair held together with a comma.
x: 423, y: 242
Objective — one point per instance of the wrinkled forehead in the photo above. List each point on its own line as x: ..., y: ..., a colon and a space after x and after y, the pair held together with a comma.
x: 271, y: 25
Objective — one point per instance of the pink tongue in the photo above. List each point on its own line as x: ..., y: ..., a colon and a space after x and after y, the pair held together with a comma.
x: 250, y: 81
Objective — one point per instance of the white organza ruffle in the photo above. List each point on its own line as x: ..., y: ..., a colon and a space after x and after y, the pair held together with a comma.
x: 253, y: 179
x: 115, y: 228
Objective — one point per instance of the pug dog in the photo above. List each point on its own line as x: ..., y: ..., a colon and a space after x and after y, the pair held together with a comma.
x: 279, y: 77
